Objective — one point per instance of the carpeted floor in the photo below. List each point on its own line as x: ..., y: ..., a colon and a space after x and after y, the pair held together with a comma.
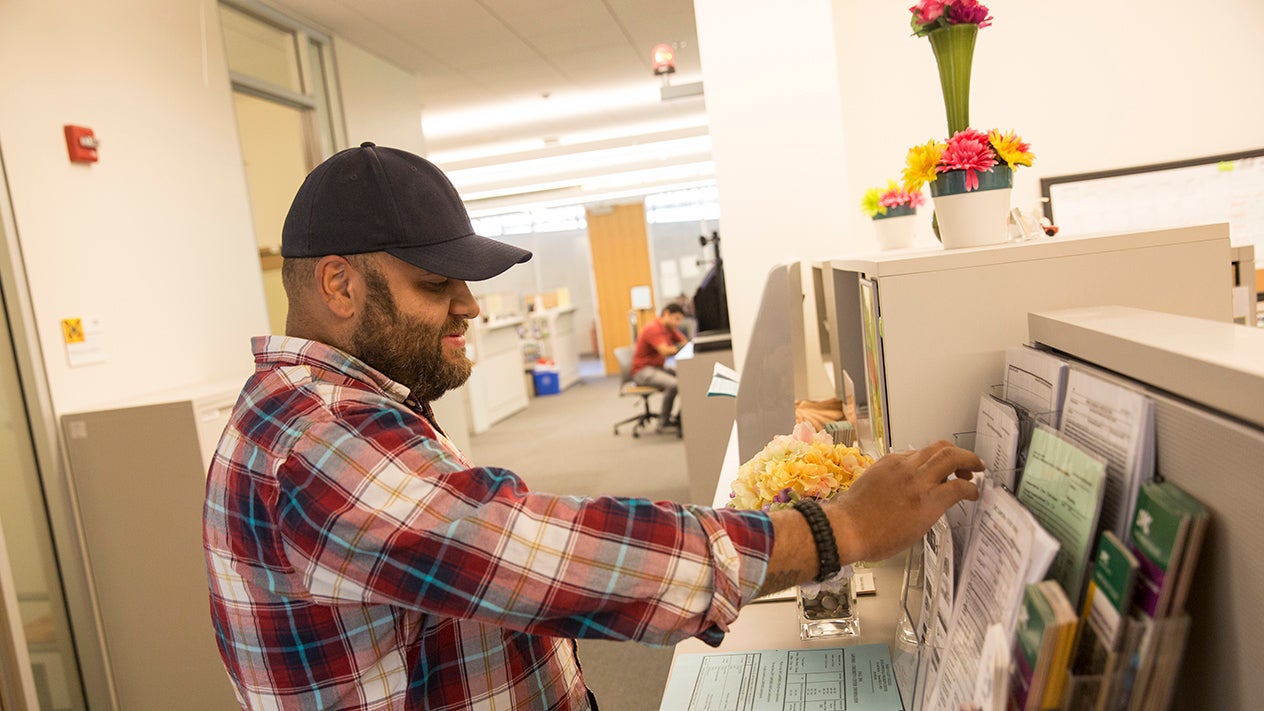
x: 563, y: 444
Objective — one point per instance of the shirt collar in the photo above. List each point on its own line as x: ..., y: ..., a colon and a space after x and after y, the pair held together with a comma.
x: 271, y: 351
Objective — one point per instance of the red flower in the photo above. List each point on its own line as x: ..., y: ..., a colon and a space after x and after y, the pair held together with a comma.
x: 968, y: 150
x: 968, y: 12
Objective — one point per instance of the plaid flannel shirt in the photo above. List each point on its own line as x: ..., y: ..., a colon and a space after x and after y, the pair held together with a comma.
x: 357, y: 560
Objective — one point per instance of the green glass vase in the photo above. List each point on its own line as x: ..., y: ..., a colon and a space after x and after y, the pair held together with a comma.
x: 954, y: 52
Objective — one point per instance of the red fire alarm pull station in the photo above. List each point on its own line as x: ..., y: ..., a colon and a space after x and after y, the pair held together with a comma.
x: 81, y: 144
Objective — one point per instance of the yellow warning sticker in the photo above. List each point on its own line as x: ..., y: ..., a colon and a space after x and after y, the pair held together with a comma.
x: 72, y: 330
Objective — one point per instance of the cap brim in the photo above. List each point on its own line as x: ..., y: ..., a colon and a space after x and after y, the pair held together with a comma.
x: 468, y: 258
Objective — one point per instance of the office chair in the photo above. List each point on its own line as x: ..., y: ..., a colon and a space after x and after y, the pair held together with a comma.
x: 629, y: 388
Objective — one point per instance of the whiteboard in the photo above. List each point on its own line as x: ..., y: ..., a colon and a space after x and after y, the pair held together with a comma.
x: 1217, y: 189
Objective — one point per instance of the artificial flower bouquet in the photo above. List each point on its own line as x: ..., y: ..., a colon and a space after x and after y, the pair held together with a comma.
x: 930, y: 15
x: 893, y: 201
x: 969, y: 153
x: 803, y: 464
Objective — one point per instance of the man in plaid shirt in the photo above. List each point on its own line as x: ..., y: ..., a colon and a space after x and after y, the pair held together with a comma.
x: 358, y: 560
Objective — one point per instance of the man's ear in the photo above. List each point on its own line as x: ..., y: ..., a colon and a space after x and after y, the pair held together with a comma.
x: 340, y: 285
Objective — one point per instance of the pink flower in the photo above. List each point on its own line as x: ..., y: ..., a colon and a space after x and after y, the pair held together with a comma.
x: 928, y: 10
x: 968, y: 150
x: 968, y: 12
x: 895, y: 196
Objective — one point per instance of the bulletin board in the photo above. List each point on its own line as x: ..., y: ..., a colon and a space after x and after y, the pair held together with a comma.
x: 1222, y: 188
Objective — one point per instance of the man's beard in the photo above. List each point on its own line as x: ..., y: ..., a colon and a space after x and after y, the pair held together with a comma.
x: 407, y: 349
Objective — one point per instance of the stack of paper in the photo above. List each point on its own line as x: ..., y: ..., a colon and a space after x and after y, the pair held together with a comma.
x: 1103, y: 644
x: 1046, y: 630
x: 1008, y: 551
x: 1116, y: 422
x: 1035, y: 381
x: 724, y: 381
x: 1063, y: 486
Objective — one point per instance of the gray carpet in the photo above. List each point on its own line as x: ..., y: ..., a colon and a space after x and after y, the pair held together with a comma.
x: 563, y: 444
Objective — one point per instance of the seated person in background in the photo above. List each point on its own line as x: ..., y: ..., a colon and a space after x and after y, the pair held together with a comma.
x: 656, y: 341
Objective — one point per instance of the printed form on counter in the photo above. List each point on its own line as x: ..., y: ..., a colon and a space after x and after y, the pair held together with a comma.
x: 857, y: 678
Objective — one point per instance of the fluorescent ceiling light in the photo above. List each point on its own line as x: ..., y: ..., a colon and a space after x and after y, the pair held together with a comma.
x: 594, y: 198
x: 686, y: 171
x: 607, y: 133
x: 443, y: 125
x: 609, y: 158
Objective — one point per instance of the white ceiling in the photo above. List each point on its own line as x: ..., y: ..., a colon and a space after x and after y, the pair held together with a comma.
x: 506, y: 80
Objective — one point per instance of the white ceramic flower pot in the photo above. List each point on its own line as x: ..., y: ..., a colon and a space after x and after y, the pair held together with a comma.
x: 895, y: 232
x: 973, y: 219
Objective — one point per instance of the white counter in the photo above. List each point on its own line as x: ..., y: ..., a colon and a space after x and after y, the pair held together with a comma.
x: 496, y: 387
x: 557, y: 342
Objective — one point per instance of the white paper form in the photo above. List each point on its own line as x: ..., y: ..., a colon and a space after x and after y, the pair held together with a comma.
x: 996, y: 439
x: 1008, y: 549
x: 1116, y: 423
x: 1062, y: 487
x: 858, y: 678
x: 724, y: 381
x: 996, y: 442
x: 937, y: 598
x: 991, y: 688
x: 1034, y: 380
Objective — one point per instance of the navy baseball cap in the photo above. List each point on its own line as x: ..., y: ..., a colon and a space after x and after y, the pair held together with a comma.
x: 378, y: 199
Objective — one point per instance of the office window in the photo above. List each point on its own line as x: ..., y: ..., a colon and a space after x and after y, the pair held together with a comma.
x: 288, y: 120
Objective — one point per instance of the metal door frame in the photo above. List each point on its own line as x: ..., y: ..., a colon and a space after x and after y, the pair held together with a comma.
x: 72, y: 566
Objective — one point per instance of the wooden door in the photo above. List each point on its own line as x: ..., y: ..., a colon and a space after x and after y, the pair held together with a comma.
x: 621, y: 260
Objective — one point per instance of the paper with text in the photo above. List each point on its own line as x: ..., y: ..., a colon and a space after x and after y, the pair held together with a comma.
x: 1008, y: 549
x: 1116, y: 423
x: 1035, y: 381
x: 858, y: 678
x: 1062, y: 486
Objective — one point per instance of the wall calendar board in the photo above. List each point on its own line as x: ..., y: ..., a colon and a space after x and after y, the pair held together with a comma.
x: 1224, y: 188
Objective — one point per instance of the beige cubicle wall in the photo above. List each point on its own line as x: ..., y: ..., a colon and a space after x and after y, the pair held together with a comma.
x: 945, y: 317
x: 139, y: 476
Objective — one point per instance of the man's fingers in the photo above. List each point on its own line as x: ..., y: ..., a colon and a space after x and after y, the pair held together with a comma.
x: 924, y: 454
x: 950, y: 492
x: 951, y: 460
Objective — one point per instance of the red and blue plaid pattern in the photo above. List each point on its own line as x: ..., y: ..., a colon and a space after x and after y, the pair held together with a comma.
x: 357, y: 560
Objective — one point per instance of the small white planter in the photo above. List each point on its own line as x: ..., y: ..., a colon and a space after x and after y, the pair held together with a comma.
x: 973, y: 219
x: 895, y: 232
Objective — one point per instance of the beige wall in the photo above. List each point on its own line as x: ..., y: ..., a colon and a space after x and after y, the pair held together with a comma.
x: 1091, y: 85
x: 382, y: 102
x: 777, y: 133
x: 155, y: 239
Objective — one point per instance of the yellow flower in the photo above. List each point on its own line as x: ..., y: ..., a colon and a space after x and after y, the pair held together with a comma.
x: 811, y: 466
x: 1010, y: 148
x: 920, y: 165
x: 871, y: 204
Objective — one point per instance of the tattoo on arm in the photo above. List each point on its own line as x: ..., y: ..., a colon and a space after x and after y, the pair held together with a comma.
x: 775, y: 582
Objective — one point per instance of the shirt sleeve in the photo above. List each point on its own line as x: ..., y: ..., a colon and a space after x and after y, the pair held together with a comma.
x: 372, y: 510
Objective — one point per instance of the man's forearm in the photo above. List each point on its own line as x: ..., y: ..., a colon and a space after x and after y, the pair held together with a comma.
x: 794, y: 559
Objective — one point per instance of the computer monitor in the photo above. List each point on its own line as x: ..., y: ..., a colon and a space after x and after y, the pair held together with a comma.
x: 710, y: 301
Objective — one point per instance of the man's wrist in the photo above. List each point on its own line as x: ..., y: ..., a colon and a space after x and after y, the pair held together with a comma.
x: 823, y: 537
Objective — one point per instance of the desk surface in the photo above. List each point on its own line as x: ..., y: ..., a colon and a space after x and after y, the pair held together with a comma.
x: 775, y: 625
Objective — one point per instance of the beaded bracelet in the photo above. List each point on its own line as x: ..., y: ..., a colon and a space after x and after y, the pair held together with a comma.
x: 823, y: 535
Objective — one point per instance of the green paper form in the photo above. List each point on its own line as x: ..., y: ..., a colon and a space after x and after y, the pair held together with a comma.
x: 1063, y: 487
x: 858, y: 678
